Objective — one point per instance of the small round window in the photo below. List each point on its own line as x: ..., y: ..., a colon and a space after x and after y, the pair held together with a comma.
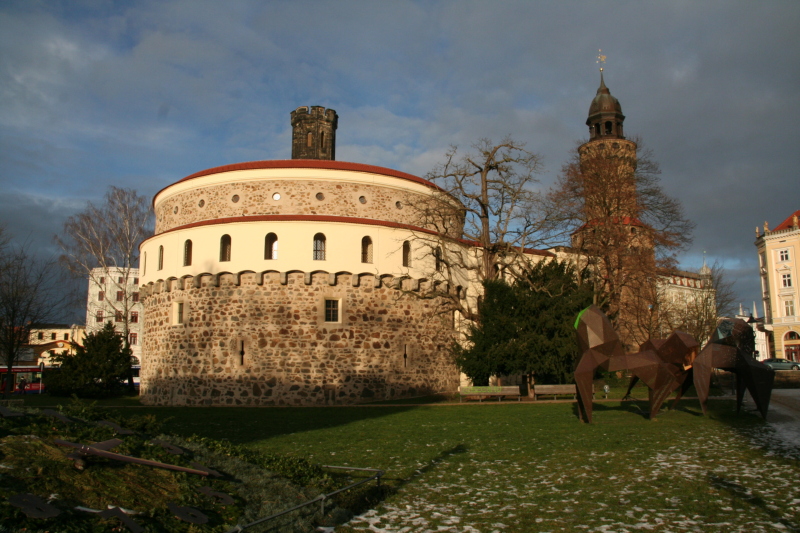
x: 398, y: 204
x: 175, y: 211
x: 235, y: 198
x: 320, y: 196
x: 276, y: 196
x: 201, y: 203
x: 362, y: 199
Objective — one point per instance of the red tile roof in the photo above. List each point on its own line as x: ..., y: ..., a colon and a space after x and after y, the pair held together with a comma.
x: 787, y: 224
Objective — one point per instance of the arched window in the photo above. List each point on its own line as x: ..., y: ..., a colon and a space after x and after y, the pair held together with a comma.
x: 792, y: 336
x: 319, y: 247
x: 437, y: 255
x: 406, y: 254
x: 225, y: 248
x: 187, y: 253
x: 309, y: 139
x: 609, y: 127
x: 322, y: 139
x: 271, y: 246
x: 366, y: 250
x: 160, y: 257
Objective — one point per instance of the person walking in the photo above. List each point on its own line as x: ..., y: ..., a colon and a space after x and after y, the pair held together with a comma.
x: 21, y: 386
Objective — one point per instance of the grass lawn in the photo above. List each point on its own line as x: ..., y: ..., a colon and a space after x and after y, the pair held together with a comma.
x: 534, y: 467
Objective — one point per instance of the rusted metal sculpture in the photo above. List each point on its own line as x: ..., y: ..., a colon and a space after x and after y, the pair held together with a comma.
x: 598, y: 344
x: 731, y: 348
x: 662, y: 364
x: 665, y: 365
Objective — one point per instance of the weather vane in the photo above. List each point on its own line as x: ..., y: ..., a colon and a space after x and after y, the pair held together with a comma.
x: 601, y: 59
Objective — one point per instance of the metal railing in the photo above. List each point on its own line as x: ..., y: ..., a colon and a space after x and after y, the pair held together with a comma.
x: 321, y: 498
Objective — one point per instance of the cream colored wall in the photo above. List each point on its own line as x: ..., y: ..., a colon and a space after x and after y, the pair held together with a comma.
x: 295, y: 250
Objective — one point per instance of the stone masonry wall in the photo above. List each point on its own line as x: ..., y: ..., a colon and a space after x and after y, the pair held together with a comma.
x: 268, y: 344
x: 297, y: 197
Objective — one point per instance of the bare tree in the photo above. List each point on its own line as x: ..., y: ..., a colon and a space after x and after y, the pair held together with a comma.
x: 30, y: 294
x: 486, y: 215
x: 626, y: 231
x: 101, y: 243
x: 698, y: 312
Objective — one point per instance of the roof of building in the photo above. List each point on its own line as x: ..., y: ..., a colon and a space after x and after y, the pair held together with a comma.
x: 603, y: 102
x: 312, y: 163
x: 787, y: 224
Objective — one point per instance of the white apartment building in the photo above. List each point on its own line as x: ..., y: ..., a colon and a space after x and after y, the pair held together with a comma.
x: 114, y: 295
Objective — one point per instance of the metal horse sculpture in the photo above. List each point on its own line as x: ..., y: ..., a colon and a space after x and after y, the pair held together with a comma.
x: 665, y: 365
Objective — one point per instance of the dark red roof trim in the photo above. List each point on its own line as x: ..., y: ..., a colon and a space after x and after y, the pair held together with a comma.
x: 327, y: 218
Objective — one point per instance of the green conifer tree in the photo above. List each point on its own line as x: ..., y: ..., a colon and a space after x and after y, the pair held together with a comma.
x: 526, y: 328
x: 98, y: 368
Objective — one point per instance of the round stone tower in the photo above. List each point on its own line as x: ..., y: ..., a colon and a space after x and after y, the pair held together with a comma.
x: 293, y: 282
x: 314, y: 133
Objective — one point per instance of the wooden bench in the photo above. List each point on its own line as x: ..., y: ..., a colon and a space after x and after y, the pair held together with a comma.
x: 555, y: 390
x: 489, y: 392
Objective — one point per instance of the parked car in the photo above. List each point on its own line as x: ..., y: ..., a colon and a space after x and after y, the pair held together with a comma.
x: 781, y: 364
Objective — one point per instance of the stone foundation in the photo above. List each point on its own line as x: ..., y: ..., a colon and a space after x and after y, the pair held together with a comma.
x: 262, y: 339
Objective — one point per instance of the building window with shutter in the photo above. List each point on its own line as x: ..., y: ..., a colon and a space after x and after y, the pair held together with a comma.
x: 406, y: 254
x: 99, y: 316
x: 319, y: 247
x: 366, y: 250
x: 187, y: 253
x: 101, y: 296
x: 271, y: 246
x: 134, y: 317
x: 120, y: 295
x: 331, y: 310
x: 135, y: 297
x: 133, y: 339
x: 118, y: 316
x: 225, y: 248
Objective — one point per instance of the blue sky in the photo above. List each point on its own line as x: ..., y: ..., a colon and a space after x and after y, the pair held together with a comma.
x: 143, y: 93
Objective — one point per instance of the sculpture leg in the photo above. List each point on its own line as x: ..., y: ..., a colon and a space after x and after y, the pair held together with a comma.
x: 741, y: 386
x: 634, y: 381
x: 584, y: 375
x: 686, y: 381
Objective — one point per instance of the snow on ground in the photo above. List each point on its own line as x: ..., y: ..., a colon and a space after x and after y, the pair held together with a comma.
x: 505, y: 496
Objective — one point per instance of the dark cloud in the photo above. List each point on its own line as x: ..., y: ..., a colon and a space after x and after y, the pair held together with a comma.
x: 143, y: 93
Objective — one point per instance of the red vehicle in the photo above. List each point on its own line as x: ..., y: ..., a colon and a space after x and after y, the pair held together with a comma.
x: 32, y: 375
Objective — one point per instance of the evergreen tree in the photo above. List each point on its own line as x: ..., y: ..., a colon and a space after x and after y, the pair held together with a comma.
x: 526, y: 328
x: 98, y: 368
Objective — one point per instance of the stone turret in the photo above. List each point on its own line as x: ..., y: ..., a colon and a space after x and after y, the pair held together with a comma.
x: 314, y: 133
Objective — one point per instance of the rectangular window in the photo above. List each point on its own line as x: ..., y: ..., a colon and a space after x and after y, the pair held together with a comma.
x: 784, y: 255
x: 41, y: 335
x: 134, y: 317
x: 133, y: 339
x: 66, y: 336
x: 101, y: 296
x: 135, y: 281
x: 135, y: 297
x: 102, y: 280
x: 787, y: 280
x: 789, y: 307
x: 118, y: 316
x: 179, y: 314
x: 52, y: 336
x: 120, y: 279
x: 99, y: 316
x: 120, y: 295
x: 331, y: 310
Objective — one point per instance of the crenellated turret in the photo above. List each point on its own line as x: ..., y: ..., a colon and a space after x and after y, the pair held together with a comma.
x: 314, y: 133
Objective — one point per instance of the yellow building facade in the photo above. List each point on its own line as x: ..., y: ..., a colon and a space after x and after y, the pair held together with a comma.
x: 777, y: 255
